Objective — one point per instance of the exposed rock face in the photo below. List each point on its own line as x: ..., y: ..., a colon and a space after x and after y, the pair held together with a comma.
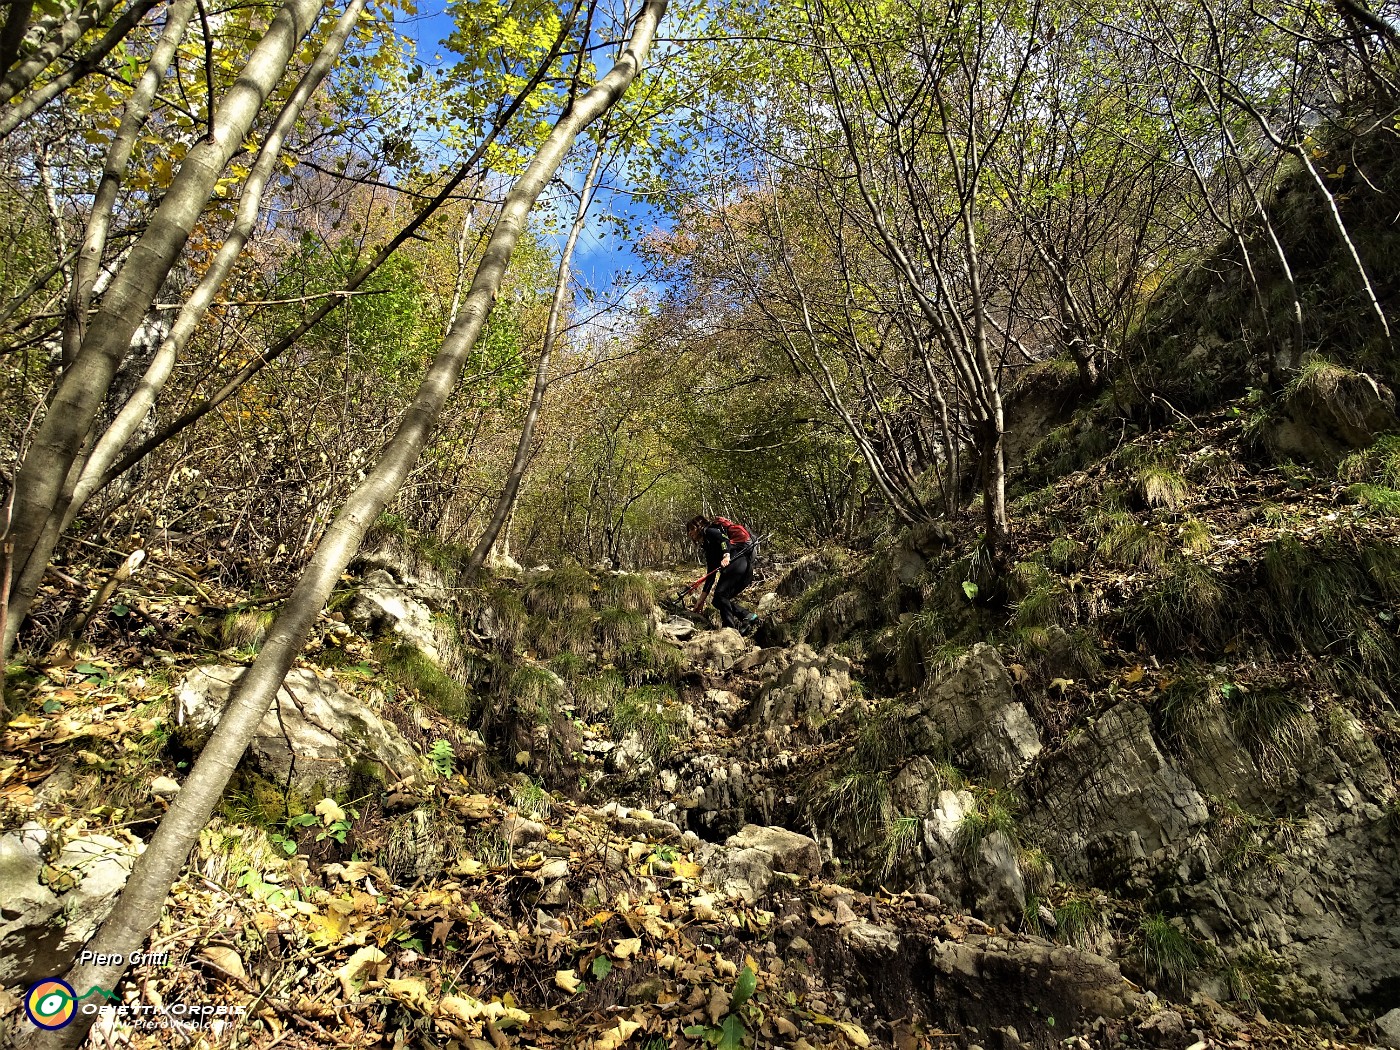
x: 1066, y: 982
x: 744, y: 867
x: 717, y: 650
x: 48, y: 912
x: 314, y: 735
x: 972, y: 711
x: 985, y: 876
x: 1111, y: 794
x: 809, y: 691
x: 383, y: 605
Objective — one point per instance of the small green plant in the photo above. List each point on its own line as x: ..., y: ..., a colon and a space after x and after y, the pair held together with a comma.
x: 652, y: 660
x: 1167, y: 952
x: 994, y: 811
x: 1036, y: 869
x: 901, y: 840
x: 532, y: 800
x: 442, y: 758
x: 730, y: 1033
x: 1160, y: 486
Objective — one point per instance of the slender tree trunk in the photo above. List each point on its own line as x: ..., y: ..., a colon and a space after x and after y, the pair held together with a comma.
x: 28, y: 69
x: 104, y: 201
x: 249, y: 206
x: 140, y: 904
x: 12, y: 35
x: 21, y: 111
x: 40, y: 482
x: 506, y: 504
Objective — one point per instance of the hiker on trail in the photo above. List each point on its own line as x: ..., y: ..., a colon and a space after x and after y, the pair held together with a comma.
x: 729, y: 556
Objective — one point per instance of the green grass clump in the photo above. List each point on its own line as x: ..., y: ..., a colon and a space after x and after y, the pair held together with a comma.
x: 1160, y: 486
x: 531, y: 691
x: 1134, y: 546
x: 653, y: 712
x: 1379, y: 500
x: 531, y: 799
x: 619, y: 629
x: 1272, y: 722
x: 409, y: 669
x: 1167, y: 952
x: 1186, y: 605
x: 571, y: 667
x: 993, y: 811
x: 568, y: 632
x: 499, y: 613
x: 651, y: 660
x: 1350, y: 394
x: 1379, y: 464
x: 554, y: 594
x: 1184, y: 706
x: 900, y: 841
x: 860, y: 797
x: 881, y: 741
x: 1080, y: 916
x: 598, y: 693
x: 1065, y: 553
x: 1195, y: 536
x: 630, y: 591
x: 246, y: 628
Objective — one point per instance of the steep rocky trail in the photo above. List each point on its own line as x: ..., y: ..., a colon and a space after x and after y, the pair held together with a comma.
x: 694, y: 847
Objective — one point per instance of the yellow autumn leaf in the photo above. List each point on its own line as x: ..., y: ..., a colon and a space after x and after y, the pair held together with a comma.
x: 615, y: 1037
x: 567, y: 980
x: 329, y: 812
x: 411, y: 992
x: 627, y: 947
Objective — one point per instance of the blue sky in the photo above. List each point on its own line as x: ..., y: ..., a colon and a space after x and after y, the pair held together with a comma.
x: 602, y: 257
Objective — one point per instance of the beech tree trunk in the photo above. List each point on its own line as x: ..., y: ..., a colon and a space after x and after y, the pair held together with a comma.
x: 141, y: 901
x: 506, y: 504
x: 129, y: 419
x: 39, y: 485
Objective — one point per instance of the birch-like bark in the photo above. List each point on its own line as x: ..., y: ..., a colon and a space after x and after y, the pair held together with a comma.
x: 40, y: 481
x: 104, y: 201
x: 506, y: 504
x: 12, y: 34
x: 141, y: 901
x: 30, y: 68
x: 198, y: 411
x: 85, y: 63
x: 249, y: 206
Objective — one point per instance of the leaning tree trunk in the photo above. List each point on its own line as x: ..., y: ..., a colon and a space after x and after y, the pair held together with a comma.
x: 134, y: 412
x: 506, y: 503
x: 141, y: 901
x: 39, y: 485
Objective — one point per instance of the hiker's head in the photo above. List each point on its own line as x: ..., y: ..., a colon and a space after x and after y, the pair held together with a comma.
x: 695, y: 527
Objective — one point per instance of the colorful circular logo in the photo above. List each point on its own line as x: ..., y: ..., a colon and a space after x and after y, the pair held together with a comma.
x: 50, y: 1003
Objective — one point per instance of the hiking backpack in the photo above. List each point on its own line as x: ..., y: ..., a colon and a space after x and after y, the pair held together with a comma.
x: 739, y: 536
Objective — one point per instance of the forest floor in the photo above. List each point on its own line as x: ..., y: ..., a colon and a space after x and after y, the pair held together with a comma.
x: 563, y: 924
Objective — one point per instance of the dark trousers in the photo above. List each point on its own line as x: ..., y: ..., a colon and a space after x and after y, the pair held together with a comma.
x: 733, y: 578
